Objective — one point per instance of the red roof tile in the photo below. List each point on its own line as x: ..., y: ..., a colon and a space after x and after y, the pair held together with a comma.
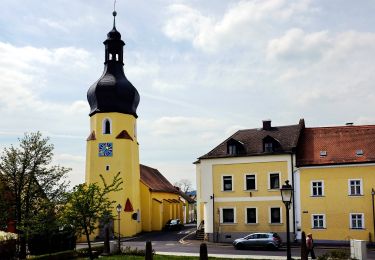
x: 340, y: 144
x: 153, y: 179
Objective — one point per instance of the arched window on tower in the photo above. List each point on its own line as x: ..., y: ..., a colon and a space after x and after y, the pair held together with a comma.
x: 116, y: 57
x: 107, y: 126
x: 110, y: 56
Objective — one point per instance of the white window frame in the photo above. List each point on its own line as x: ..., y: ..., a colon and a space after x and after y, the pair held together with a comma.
x: 245, y: 184
x: 234, y: 216
x: 103, y: 125
x: 270, y: 217
x: 312, y: 221
x: 256, y: 215
x: 269, y: 180
x: 222, y: 182
x: 360, y: 186
x: 363, y: 220
x: 312, y: 188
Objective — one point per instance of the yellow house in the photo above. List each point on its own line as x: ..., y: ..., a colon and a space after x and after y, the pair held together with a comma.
x: 337, y: 182
x: 160, y: 200
x: 238, y: 182
x: 148, y: 200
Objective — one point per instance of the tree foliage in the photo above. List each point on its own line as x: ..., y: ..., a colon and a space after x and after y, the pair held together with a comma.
x: 33, y: 185
x: 87, y: 205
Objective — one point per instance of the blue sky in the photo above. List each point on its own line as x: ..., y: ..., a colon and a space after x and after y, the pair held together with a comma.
x: 204, y: 69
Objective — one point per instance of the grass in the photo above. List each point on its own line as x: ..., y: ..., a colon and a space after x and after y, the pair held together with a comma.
x: 157, y: 257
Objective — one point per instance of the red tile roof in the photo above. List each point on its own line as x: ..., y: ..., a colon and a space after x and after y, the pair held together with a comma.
x: 340, y: 144
x: 156, y: 182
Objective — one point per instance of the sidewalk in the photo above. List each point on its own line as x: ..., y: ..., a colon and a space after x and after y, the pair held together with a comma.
x: 225, y: 256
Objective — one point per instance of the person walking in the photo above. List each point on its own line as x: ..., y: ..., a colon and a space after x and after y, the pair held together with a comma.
x: 310, y: 246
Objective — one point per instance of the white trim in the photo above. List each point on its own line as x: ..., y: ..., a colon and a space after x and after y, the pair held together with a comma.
x: 337, y: 166
x: 222, y: 182
x: 247, y: 159
x: 256, y: 215
x: 245, y: 183
x: 324, y: 221
x: 363, y: 220
x: 311, y: 188
x: 247, y: 199
x: 269, y: 215
x: 103, y: 125
x: 234, y: 215
x: 360, y: 186
x: 269, y: 180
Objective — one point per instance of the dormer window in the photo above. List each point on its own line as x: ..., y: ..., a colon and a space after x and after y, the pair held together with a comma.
x: 270, y: 144
x: 359, y: 152
x: 323, y: 153
x: 107, y: 127
x: 235, y: 147
x: 232, y: 149
x: 268, y: 147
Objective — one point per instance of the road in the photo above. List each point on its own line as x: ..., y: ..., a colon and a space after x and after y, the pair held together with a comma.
x: 169, y: 242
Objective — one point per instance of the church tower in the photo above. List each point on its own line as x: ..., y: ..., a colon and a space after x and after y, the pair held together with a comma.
x: 112, y: 145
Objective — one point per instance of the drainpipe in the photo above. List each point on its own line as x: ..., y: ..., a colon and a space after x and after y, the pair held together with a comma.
x: 373, y: 211
x: 294, y: 206
x: 213, y: 217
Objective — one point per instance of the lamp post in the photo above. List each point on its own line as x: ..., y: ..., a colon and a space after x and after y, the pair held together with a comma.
x: 373, y: 211
x: 287, y: 195
x: 118, y: 209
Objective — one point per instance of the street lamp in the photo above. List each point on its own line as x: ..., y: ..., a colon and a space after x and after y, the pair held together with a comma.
x: 373, y: 210
x: 287, y: 195
x: 118, y: 209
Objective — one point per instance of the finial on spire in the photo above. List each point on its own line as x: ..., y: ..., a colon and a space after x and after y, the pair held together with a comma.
x: 114, y: 14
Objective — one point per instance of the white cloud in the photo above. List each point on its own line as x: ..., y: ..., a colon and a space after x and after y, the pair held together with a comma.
x: 241, y: 23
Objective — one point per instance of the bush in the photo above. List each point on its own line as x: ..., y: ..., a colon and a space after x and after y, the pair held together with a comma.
x: 135, y: 251
x: 84, y: 252
x: 8, y: 243
x: 335, y: 255
x: 71, y: 254
x: 50, y: 243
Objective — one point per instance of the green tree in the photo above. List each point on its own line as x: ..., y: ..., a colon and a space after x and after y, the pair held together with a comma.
x: 34, y: 185
x: 87, y: 205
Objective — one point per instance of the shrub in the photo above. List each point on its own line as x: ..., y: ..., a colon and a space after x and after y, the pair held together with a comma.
x: 8, y: 243
x: 50, y: 243
x: 338, y: 254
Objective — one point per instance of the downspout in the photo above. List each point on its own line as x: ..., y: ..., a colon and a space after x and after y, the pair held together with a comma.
x: 294, y: 207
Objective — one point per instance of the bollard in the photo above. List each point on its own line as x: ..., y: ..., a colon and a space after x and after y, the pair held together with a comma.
x: 303, y: 246
x: 203, y: 252
x: 148, y: 255
x: 106, y: 240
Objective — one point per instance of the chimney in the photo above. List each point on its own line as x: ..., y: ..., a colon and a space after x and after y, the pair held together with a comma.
x: 267, y: 124
x: 349, y: 124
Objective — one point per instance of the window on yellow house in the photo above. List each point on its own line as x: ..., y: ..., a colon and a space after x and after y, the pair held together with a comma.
x: 275, y: 215
x: 250, y: 182
x: 274, y: 181
x: 317, y: 188
x: 227, y: 183
x: 357, y: 221
x: 251, y: 216
x: 318, y: 221
x: 227, y: 215
x: 355, y: 187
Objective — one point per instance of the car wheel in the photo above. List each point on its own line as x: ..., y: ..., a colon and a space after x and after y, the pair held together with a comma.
x: 239, y: 246
x: 271, y: 247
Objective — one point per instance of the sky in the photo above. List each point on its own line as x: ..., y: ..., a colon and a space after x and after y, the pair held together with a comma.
x: 204, y: 69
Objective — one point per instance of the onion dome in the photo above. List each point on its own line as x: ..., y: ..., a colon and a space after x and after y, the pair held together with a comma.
x: 113, y: 92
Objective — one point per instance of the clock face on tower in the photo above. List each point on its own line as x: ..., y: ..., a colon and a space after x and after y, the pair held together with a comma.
x: 105, y: 149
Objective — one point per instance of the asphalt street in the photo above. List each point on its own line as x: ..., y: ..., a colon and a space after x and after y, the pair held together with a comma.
x: 178, y: 242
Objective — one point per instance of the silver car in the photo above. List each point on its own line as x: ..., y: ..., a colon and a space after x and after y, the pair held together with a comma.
x: 266, y: 240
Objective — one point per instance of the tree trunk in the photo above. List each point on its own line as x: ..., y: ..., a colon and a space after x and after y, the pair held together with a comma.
x: 89, y: 243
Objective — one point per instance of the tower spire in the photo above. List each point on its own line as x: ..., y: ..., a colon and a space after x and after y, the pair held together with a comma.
x: 114, y: 14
